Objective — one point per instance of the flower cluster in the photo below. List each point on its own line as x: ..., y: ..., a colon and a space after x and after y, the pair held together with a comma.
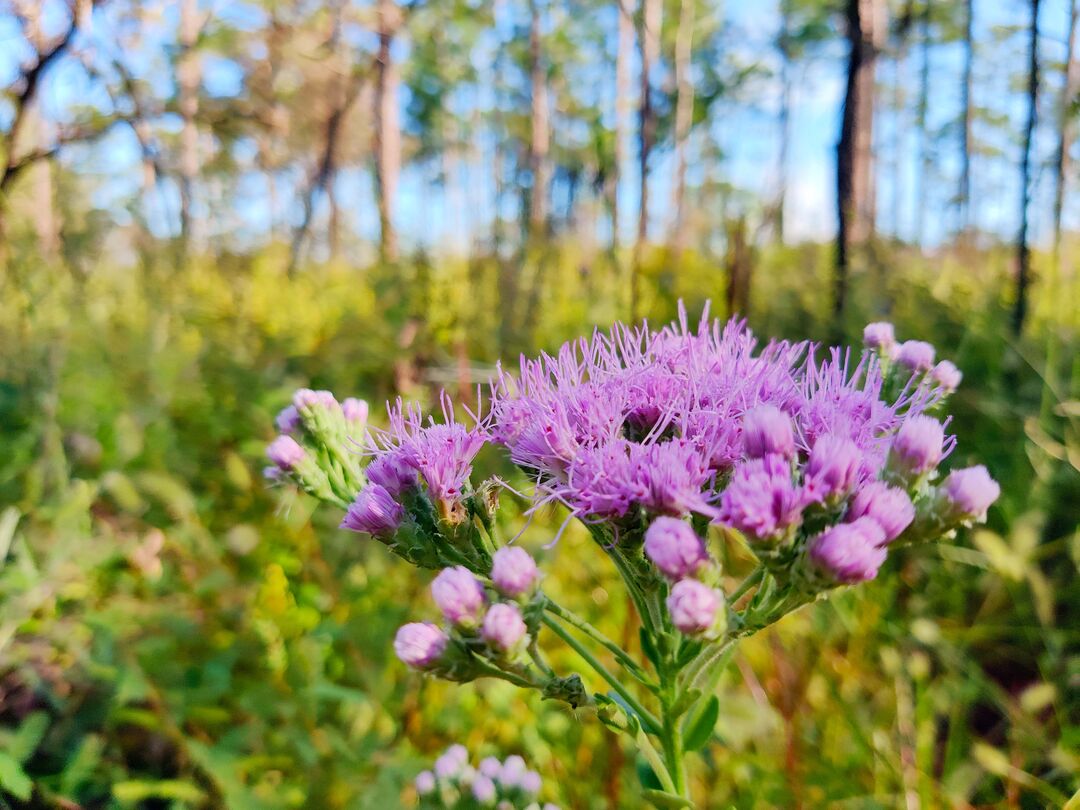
x: 820, y: 461
x: 454, y: 784
x: 485, y: 623
x: 313, y: 450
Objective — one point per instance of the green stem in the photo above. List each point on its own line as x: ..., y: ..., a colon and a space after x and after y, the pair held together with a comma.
x: 648, y: 720
x: 592, y: 632
x: 673, y: 754
x: 747, y: 584
x: 655, y: 761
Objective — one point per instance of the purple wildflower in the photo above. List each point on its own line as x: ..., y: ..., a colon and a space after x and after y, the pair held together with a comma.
x: 490, y: 767
x: 849, y: 552
x: 392, y: 472
x: 674, y: 548
x: 833, y: 468
x: 459, y: 595
x: 531, y: 782
x: 947, y: 376
x: 286, y: 453
x: 693, y: 606
x: 374, y: 511
x: 668, y: 478
x: 767, y: 429
x: 513, y: 769
x: 425, y: 783
x: 879, y: 335
x: 761, y: 501
x: 452, y: 762
x: 916, y: 355
x: 483, y: 789
x: 970, y: 492
x: 355, y: 411
x: 420, y: 644
x: 889, y: 506
x: 918, y: 445
x: 305, y: 399
x: 288, y: 420
x: 503, y: 627
x: 513, y: 571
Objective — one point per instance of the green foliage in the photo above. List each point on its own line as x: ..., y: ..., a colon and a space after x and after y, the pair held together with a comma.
x: 175, y: 634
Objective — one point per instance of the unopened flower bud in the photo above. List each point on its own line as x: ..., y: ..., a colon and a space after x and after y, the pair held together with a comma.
x: 849, y: 552
x: 880, y: 335
x: 917, y: 446
x: 970, y: 492
x: 833, y: 467
x: 503, y: 627
x: 425, y: 783
x: 420, y: 644
x: 916, y: 355
x: 483, y: 790
x: 889, y: 506
x: 947, y: 376
x: 286, y: 453
x: 513, y: 571
x: 355, y: 412
x: 674, y: 548
x: 694, y: 607
x: 459, y: 595
x: 288, y: 420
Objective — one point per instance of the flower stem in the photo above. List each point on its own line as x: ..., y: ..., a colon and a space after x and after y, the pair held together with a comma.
x: 592, y: 632
x: 648, y: 720
x: 747, y: 584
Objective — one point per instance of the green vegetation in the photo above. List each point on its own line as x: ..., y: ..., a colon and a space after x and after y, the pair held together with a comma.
x: 175, y: 634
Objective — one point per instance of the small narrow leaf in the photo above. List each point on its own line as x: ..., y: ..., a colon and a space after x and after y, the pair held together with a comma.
x: 700, y: 724
x: 659, y: 798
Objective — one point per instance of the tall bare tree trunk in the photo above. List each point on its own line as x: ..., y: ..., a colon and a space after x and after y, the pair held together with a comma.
x: 1065, y: 130
x: 46, y: 218
x: 540, y: 137
x: 783, y: 43
x: 387, y: 139
x: 649, y: 24
x: 922, y: 198
x: 189, y: 77
x: 622, y: 113
x: 966, y: 143
x: 684, y: 118
x: 854, y: 175
x: 1023, y: 250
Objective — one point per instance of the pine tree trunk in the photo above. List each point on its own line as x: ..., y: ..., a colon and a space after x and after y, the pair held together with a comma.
x: 189, y: 77
x: 1023, y: 250
x: 854, y: 164
x: 387, y: 136
x: 684, y: 118
x: 540, y: 128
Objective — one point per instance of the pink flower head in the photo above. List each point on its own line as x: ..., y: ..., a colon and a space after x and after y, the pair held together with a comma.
x: 879, y: 335
x: 674, y: 548
x: 425, y: 783
x: 305, y: 399
x: 459, y: 595
x: 490, y: 767
x: 452, y: 762
x: 668, y: 478
x: 374, y: 511
x: 420, y: 644
x: 767, y: 429
x: 355, y: 411
x: 286, y: 453
x: 694, y: 607
x: 392, y: 472
x: 849, y: 552
x: 916, y: 355
x: 513, y: 769
x: 970, y: 492
x: 483, y: 789
x: 503, y: 627
x: 288, y: 420
x: 761, y: 501
x: 513, y: 571
x: 917, y: 447
x: 833, y: 467
x: 889, y: 506
x: 947, y: 376
x: 531, y: 782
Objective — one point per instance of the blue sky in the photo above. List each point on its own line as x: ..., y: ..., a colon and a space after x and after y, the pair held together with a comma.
x: 745, y: 131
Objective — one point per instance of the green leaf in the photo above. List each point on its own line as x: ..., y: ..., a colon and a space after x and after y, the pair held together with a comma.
x: 662, y: 799
x: 28, y: 737
x: 700, y: 724
x: 647, y: 776
x: 649, y: 648
x: 13, y: 778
